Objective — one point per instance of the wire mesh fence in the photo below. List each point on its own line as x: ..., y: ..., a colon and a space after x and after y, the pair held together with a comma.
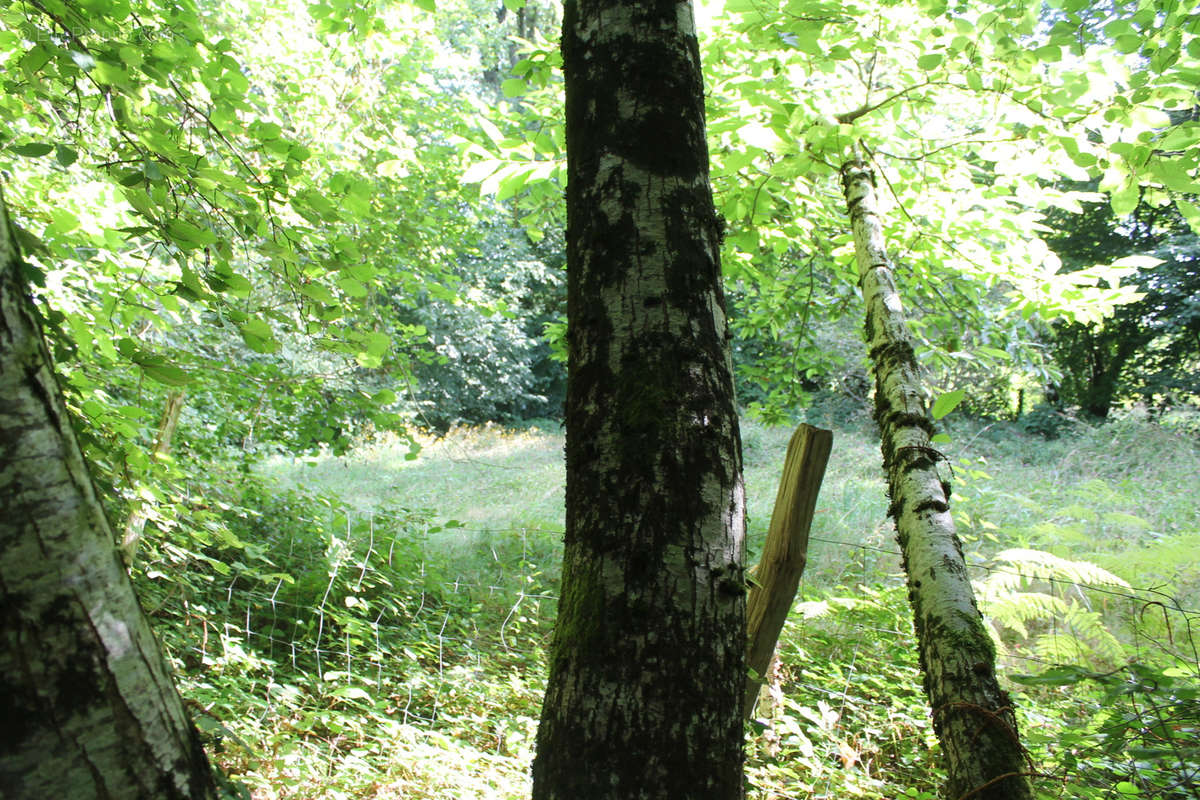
x: 442, y: 604
x: 451, y: 598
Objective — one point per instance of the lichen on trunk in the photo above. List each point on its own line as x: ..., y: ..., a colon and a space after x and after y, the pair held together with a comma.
x: 973, y: 717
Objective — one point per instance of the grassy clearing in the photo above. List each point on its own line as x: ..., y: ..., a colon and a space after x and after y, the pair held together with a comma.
x: 503, y: 484
x: 1124, y: 495
x: 847, y: 717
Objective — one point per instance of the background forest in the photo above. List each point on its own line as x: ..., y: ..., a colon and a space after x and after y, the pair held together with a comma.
x: 301, y: 269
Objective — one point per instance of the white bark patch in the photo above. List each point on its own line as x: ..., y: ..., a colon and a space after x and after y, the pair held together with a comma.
x: 114, y: 632
x: 685, y: 19
x: 627, y: 104
x: 614, y: 19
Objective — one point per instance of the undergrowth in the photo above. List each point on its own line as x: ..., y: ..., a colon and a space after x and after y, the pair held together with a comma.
x: 376, y: 625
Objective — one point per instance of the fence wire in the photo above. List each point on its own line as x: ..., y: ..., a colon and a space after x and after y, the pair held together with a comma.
x: 441, y: 614
x: 445, y: 615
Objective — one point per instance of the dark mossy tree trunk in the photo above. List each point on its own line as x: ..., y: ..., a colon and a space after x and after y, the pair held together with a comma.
x: 972, y: 715
x: 87, y: 705
x: 647, y: 669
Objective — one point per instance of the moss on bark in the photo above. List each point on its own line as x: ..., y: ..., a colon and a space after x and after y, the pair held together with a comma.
x: 973, y: 717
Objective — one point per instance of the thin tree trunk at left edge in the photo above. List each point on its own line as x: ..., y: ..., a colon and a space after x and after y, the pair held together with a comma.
x: 87, y: 706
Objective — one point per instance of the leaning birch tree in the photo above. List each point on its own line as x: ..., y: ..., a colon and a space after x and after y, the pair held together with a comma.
x: 647, y: 666
x: 972, y: 716
x: 86, y: 696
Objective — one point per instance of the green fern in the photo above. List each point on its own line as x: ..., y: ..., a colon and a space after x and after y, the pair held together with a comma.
x: 1026, y: 566
x: 1055, y: 628
x: 1014, y: 609
x: 1059, y: 648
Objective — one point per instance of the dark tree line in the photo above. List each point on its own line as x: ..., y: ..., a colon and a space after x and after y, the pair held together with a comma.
x: 1148, y: 350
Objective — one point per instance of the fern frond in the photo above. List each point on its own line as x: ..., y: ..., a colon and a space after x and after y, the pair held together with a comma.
x: 1014, y: 610
x: 1089, y: 626
x: 1059, y: 648
x: 999, y: 584
x: 1031, y: 565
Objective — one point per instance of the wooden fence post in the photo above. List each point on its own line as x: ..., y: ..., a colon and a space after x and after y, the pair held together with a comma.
x: 777, y: 575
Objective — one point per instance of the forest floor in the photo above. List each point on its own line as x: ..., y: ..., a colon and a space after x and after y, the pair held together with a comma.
x: 1104, y: 522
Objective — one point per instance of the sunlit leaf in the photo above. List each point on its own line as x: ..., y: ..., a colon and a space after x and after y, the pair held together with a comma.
x: 946, y: 403
x: 930, y: 61
x: 167, y: 374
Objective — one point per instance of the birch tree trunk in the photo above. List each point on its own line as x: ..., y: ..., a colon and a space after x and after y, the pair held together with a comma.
x: 972, y: 715
x: 86, y: 698
x: 647, y: 668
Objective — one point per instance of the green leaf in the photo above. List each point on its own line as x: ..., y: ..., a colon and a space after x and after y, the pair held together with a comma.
x: 32, y: 149
x: 189, y: 236
x: 351, y: 693
x: 264, y: 131
x: 1050, y: 52
x: 1191, y: 213
x: 760, y: 136
x: 480, y: 171
x: 426, y: 5
x: 947, y: 403
x: 929, y: 61
x: 167, y: 374
x: 237, y: 285
x: 38, y: 56
x: 152, y: 171
x: 1129, y: 43
x: 1180, y: 137
x: 491, y: 130
x: 1055, y: 676
x: 64, y: 221
x: 319, y: 203
x: 352, y: 287
x: 514, y: 5
x: 514, y: 87
x: 1125, y: 199
x: 377, y: 343
x: 1137, y: 262
x: 258, y: 336
x: 512, y: 183
x: 384, y: 397
x: 315, y: 291
x: 65, y: 155
x: 392, y: 168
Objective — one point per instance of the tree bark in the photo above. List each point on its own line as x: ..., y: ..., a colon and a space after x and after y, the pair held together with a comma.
x: 785, y: 553
x: 86, y: 698
x: 972, y: 716
x: 647, y: 667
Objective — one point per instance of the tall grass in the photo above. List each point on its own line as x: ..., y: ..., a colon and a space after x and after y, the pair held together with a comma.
x: 847, y: 717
